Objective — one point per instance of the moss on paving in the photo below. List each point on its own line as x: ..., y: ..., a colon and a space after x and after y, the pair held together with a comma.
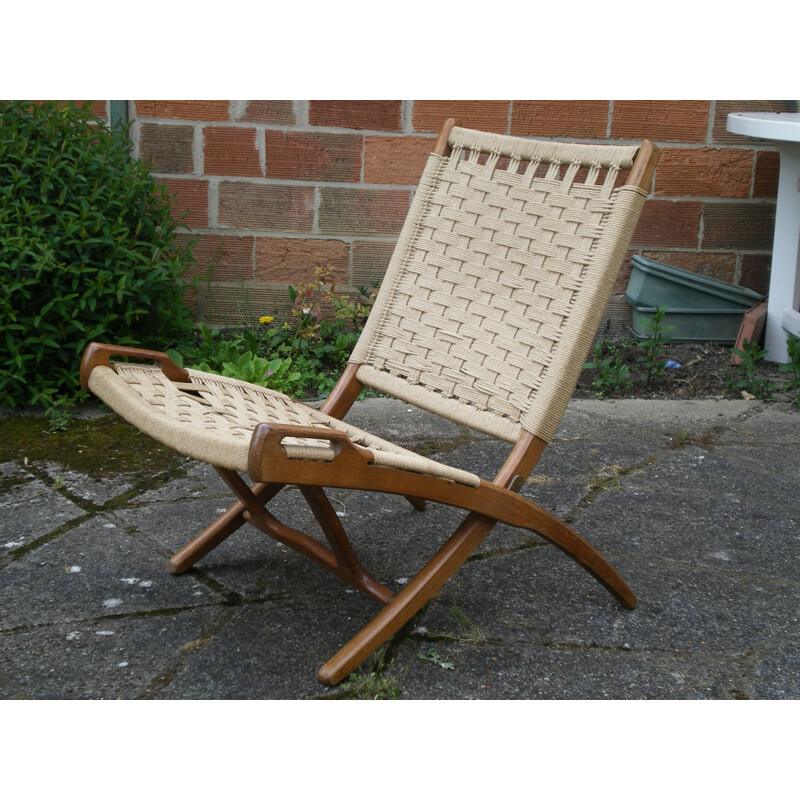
x: 99, y: 448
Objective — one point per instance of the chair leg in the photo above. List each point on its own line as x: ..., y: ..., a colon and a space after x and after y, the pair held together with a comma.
x: 340, y: 544
x: 219, y: 530
x: 339, y: 558
x: 445, y: 563
x: 559, y: 533
x: 411, y: 599
x: 418, y: 502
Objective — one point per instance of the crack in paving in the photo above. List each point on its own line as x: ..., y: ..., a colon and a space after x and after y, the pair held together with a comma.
x: 166, y: 611
x: 22, y: 550
x: 165, y: 678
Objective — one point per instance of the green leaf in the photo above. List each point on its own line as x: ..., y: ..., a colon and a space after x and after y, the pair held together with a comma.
x: 435, y: 658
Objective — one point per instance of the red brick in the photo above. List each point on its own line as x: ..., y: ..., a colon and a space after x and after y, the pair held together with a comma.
x: 362, y: 212
x: 755, y: 272
x: 704, y: 173
x: 721, y: 266
x: 765, y: 183
x: 587, y: 119
x: 231, y: 151
x: 396, y: 159
x: 720, y: 133
x: 485, y: 115
x: 738, y: 226
x: 370, y: 260
x: 168, y: 147
x: 374, y: 115
x: 295, y: 260
x: 190, y: 196
x: 668, y: 223
x: 264, y: 207
x: 270, y: 112
x: 660, y: 120
x: 296, y: 155
x: 205, y: 110
x: 223, y: 258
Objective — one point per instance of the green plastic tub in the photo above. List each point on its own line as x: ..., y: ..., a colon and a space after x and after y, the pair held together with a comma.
x: 653, y: 284
x: 700, y: 309
x: 717, y: 325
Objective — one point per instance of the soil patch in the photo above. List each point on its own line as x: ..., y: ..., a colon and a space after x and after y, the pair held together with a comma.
x: 705, y: 372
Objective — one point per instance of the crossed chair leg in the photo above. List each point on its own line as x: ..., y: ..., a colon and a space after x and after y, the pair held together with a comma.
x: 339, y: 558
x: 488, y: 504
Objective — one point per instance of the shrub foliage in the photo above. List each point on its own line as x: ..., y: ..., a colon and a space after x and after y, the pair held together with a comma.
x: 88, y: 249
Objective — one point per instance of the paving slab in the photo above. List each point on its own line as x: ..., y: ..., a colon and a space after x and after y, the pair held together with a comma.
x: 30, y: 508
x: 91, y: 571
x: 520, y: 672
x: 695, y: 502
x: 124, y: 658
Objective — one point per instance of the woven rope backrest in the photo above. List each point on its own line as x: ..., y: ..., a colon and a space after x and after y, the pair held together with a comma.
x: 499, y: 279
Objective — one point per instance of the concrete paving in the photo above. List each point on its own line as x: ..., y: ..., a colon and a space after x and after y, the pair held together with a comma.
x: 695, y: 502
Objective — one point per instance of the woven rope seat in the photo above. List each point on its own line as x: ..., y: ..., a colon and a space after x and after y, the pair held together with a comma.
x: 212, y: 418
x: 488, y: 309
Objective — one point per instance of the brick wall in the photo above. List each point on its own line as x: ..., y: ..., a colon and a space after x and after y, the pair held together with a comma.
x: 275, y: 188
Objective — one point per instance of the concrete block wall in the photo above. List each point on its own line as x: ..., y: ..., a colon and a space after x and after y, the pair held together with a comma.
x: 275, y: 188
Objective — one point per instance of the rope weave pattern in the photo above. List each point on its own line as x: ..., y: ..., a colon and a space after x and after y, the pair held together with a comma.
x: 499, y: 248
x: 212, y: 418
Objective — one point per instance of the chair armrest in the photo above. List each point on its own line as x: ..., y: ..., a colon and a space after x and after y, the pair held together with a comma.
x: 266, y: 449
x: 97, y: 355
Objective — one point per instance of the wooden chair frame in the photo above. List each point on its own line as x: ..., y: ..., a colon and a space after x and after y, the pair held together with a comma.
x: 352, y: 467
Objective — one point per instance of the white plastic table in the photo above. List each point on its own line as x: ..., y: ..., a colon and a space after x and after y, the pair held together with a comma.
x: 783, y: 305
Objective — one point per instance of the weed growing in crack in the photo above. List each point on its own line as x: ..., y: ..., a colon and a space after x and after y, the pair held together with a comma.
x: 608, y: 477
x: 58, y: 411
x: 518, y: 620
x: 469, y: 631
x: 435, y: 658
x: 372, y: 685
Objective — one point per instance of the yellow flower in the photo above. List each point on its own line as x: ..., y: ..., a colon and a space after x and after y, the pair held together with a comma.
x: 265, y: 320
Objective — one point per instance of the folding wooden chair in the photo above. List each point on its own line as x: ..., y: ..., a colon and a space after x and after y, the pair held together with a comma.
x: 487, y: 312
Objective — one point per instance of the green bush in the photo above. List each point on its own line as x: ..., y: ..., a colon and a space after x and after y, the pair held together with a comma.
x: 88, y: 249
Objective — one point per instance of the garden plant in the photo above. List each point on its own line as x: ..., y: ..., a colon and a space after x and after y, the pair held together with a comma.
x: 743, y: 378
x: 301, y: 353
x: 793, y: 349
x: 658, y: 336
x: 88, y: 250
x: 612, y: 373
